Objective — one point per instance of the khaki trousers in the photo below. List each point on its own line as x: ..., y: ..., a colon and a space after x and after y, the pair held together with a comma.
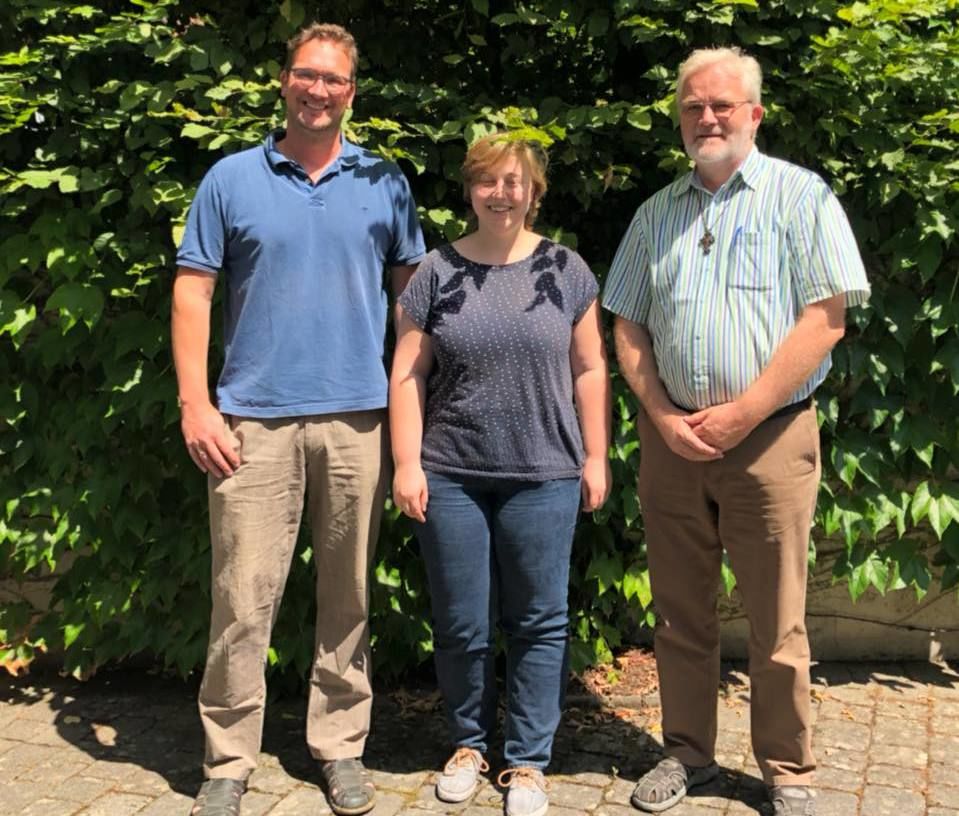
x: 338, y: 462
x: 757, y: 502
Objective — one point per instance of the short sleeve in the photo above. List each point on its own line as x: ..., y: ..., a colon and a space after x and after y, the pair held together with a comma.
x: 584, y: 288
x: 204, y: 238
x: 408, y: 246
x: 824, y: 257
x: 627, y: 291
x: 417, y: 297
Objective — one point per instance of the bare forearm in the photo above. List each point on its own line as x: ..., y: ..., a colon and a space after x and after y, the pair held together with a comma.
x: 634, y: 351
x: 819, y: 328
x: 594, y: 401
x: 190, y: 333
x: 407, y: 399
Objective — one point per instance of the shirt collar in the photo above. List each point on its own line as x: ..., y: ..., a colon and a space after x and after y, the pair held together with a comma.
x: 750, y: 171
x: 349, y: 152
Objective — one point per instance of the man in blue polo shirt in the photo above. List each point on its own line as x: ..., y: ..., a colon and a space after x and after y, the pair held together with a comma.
x: 301, y: 230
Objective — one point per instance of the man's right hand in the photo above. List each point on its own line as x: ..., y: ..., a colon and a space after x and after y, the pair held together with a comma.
x: 682, y: 440
x: 212, y: 446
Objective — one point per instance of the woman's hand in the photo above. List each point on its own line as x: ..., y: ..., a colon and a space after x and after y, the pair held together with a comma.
x: 596, y: 482
x: 410, y: 492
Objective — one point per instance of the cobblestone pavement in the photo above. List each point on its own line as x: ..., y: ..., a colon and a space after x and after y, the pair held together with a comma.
x: 124, y: 743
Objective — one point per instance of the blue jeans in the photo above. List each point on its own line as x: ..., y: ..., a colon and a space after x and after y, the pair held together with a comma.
x: 498, y: 551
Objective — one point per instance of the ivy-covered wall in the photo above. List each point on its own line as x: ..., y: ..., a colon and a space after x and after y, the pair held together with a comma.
x: 111, y: 112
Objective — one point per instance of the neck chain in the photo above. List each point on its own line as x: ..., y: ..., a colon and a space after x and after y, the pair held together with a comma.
x: 708, y: 239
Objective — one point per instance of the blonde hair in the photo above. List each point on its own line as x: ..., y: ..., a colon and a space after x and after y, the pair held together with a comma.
x: 743, y: 64
x: 487, y: 152
x: 331, y: 32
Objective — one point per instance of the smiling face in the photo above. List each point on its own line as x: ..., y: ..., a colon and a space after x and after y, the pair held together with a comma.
x: 312, y: 108
x: 718, y: 144
x: 502, y: 194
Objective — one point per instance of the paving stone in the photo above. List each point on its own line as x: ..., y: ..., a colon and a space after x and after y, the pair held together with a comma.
x: 879, y: 800
x: 306, y: 799
x: 945, y: 708
x: 16, y: 796
x: 578, y: 797
x: 840, y: 758
x: 143, y: 781
x: 945, y: 795
x: 899, y: 755
x: 595, y: 780
x: 24, y: 757
x: 838, y: 734
x: 836, y: 803
x: 899, y: 687
x: 610, y: 809
x: 946, y: 724
x: 42, y: 733
x: 425, y: 800
x: 271, y: 780
x: 838, y: 779
x: 943, y: 749
x: 896, y: 777
x: 855, y: 693
x: 405, y: 783
x: 54, y: 768
x: 737, y: 808
x: 937, y: 811
x: 118, y: 804
x: 387, y: 804
x: 170, y: 803
x: 845, y: 712
x: 80, y: 789
x: 733, y: 719
x: 50, y: 807
x: 619, y: 792
x: 902, y: 710
x: 943, y: 774
x: 256, y: 804
x: 901, y: 732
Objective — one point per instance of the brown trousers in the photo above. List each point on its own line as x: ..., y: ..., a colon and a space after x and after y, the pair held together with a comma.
x: 757, y: 502
x: 338, y: 462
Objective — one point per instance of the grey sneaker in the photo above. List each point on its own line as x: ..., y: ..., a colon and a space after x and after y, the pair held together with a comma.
x: 527, y: 791
x: 792, y: 800
x: 460, y: 775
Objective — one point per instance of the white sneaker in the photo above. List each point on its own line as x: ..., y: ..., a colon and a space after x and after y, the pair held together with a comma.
x: 460, y: 775
x: 527, y: 791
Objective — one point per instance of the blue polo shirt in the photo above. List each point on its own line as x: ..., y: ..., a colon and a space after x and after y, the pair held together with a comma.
x: 304, y: 268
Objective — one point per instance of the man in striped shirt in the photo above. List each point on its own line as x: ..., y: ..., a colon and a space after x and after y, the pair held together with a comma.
x: 730, y: 289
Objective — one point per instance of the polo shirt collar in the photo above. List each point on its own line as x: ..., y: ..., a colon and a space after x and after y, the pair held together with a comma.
x: 750, y: 171
x: 349, y: 153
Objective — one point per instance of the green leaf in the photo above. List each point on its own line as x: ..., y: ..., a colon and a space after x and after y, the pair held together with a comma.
x: 71, y: 632
x: 481, y: 7
x: 636, y: 585
x: 76, y: 302
x: 639, y: 118
x: 607, y: 569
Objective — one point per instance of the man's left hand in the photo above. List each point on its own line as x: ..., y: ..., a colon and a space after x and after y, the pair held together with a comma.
x: 723, y: 426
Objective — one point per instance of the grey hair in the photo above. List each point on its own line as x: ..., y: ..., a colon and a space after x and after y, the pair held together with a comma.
x: 742, y: 63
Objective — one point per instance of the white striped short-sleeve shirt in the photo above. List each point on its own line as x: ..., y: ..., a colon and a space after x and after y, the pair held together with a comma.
x: 782, y: 241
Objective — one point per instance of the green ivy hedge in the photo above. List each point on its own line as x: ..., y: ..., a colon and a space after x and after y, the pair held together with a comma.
x: 111, y: 113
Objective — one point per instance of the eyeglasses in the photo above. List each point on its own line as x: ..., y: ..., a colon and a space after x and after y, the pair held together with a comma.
x: 334, y: 83
x: 721, y: 110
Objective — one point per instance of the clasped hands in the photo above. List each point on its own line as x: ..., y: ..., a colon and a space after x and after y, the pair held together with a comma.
x: 706, y: 435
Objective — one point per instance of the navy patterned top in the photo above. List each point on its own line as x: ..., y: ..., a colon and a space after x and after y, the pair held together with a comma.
x: 499, y: 399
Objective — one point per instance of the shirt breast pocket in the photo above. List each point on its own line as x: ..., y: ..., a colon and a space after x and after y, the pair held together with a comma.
x: 753, y: 262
